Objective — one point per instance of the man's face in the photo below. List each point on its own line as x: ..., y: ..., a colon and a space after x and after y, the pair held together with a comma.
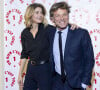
x: 61, y: 18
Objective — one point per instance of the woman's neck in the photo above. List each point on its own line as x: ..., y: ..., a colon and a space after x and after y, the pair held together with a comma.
x: 34, y: 27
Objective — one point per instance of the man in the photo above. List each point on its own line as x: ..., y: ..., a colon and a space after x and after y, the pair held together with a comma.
x: 71, y: 51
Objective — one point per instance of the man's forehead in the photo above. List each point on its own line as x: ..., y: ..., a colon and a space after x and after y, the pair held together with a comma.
x: 59, y: 11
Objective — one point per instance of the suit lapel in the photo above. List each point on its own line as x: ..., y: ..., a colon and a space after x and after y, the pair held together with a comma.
x: 52, y: 34
x: 69, y: 35
x: 52, y: 39
x: 51, y: 50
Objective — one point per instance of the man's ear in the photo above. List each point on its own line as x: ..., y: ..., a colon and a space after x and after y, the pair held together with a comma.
x: 52, y: 19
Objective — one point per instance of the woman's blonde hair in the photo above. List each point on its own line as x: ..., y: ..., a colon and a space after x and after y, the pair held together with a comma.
x: 30, y: 11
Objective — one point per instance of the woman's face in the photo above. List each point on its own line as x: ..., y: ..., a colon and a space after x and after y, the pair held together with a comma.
x: 38, y: 15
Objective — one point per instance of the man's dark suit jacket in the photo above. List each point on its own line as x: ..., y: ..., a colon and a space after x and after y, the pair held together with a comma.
x: 78, y: 56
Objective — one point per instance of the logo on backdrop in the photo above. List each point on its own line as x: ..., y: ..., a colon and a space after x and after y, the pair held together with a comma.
x: 10, y: 79
x: 80, y: 14
x: 9, y: 38
x: 14, y: 17
x: 95, y: 34
x: 12, y: 58
x: 97, y: 58
x: 98, y: 17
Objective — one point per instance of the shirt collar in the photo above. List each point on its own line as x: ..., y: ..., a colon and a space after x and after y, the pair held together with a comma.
x: 64, y: 30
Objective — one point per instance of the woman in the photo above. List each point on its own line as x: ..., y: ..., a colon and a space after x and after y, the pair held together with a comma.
x: 35, y: 46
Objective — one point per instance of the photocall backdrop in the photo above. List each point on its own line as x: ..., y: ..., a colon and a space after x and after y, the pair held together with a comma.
x: 84, y: 13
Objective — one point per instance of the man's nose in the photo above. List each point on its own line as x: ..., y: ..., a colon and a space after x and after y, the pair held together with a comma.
x: 61, y: 18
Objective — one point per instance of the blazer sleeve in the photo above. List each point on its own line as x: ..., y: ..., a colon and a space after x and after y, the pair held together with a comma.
x: 88, y: 58
x: 24, y: 53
